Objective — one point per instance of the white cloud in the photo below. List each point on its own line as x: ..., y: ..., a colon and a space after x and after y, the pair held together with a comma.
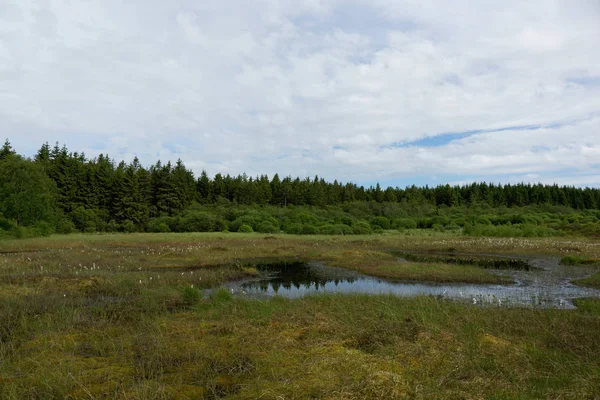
x: 313, y: 87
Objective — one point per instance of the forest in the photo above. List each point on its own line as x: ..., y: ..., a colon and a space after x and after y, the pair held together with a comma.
x: 59, y: 191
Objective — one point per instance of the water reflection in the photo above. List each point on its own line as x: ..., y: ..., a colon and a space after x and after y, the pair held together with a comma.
x: 548, y: 285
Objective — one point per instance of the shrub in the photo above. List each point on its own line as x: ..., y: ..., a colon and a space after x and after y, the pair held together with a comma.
x: 162, y: 227
x: 84, y: 219
x: 19, y: 232
x: 381, y: 222
x: 5, y: 224
x: 361, y: 228
x: 221, y: 225
x: 303, y: 217
x: 337, y: 229
x: 424, y: 223
x: 452, y: 227
x: 112, y: 226
x: 198, y: 222
x: 267, y: 227
x: 440, y: 221
x: 404, y: 223
x: 237, y: 224
x: 294, y: 229
x: 127, y: 226
x: 309, y: 230
x: 191, y: 295
x: 254, y: 220
x: 483, y: 220
x: 437, y: 227
x: 346, y: 220
x: 158, y: 225
x: 222, y: 295
x: 245, y: 228
x: 43, y: 228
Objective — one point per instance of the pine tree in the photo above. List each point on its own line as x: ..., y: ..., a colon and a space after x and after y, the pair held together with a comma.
x: 6, y: 150
x: 203, y: 187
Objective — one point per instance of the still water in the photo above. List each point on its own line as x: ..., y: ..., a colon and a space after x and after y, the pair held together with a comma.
x: 548, y: 285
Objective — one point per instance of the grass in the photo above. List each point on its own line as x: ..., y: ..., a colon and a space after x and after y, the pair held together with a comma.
x: 124, y: 316
x: 592, y: 281
x: 578, y: 260
x: 321, y: 347
x: 436, y: 273
x: 480, y: 261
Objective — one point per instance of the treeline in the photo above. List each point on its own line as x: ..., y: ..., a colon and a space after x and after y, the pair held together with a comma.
x: 68, y: 191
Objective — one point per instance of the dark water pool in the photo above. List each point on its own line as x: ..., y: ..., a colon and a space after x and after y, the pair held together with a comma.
x: 547, y: 285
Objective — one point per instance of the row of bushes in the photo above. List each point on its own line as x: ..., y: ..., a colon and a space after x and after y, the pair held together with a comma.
x: 353, y: 218
x: 11, y: 229
x: 517, y: 230
x: 258, y: 222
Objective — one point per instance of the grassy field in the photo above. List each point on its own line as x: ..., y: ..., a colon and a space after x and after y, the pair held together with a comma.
x: 126, y: 316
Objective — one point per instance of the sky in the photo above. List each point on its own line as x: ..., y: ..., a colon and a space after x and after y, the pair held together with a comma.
x: 390, y: 91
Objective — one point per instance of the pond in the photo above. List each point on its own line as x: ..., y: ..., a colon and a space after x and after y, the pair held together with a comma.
x: 547, y: 284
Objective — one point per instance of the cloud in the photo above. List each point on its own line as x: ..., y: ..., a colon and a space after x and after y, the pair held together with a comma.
x: 351, y: 90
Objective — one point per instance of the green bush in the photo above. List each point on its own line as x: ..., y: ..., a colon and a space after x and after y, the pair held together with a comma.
x: 309, y: 230
x: 127, y: 226
x: 191, y: 295
x: 267, y: 227
x: 294, y: 228
x: 221, y: 225
x: 483, y: 220
x: 452, y: 227
x: 198, y: 222
x: 5, y: 224
x: 254, y: 220
x: 44, y: 228
x: 19, y: 232
x: 23, y: 232
x: 346, y: 220
x: 361, y: 228
x: 337, y: 229
x: 303, y: 217
x: 113, y: 226
x: 381, y: 222
x: 404, y: 223
x: 158, y: 225
x: 247, y: 220
x: 222, y: 295
x: 245, y: 228
x: 84, y: 219
x: 440, y: 221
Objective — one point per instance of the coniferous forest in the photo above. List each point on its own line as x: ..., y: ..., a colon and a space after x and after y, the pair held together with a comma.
x: 59, y: 191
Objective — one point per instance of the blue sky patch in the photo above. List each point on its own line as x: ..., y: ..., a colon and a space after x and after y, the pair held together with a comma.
x: 585, y: 80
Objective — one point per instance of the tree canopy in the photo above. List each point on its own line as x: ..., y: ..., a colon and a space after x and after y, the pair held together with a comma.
x: 26, y: 193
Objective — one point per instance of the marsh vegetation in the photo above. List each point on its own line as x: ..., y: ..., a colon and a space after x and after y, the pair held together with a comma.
x: 140, y: 316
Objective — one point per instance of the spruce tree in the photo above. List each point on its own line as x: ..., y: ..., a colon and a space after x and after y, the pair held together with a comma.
x: 6, y: 150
